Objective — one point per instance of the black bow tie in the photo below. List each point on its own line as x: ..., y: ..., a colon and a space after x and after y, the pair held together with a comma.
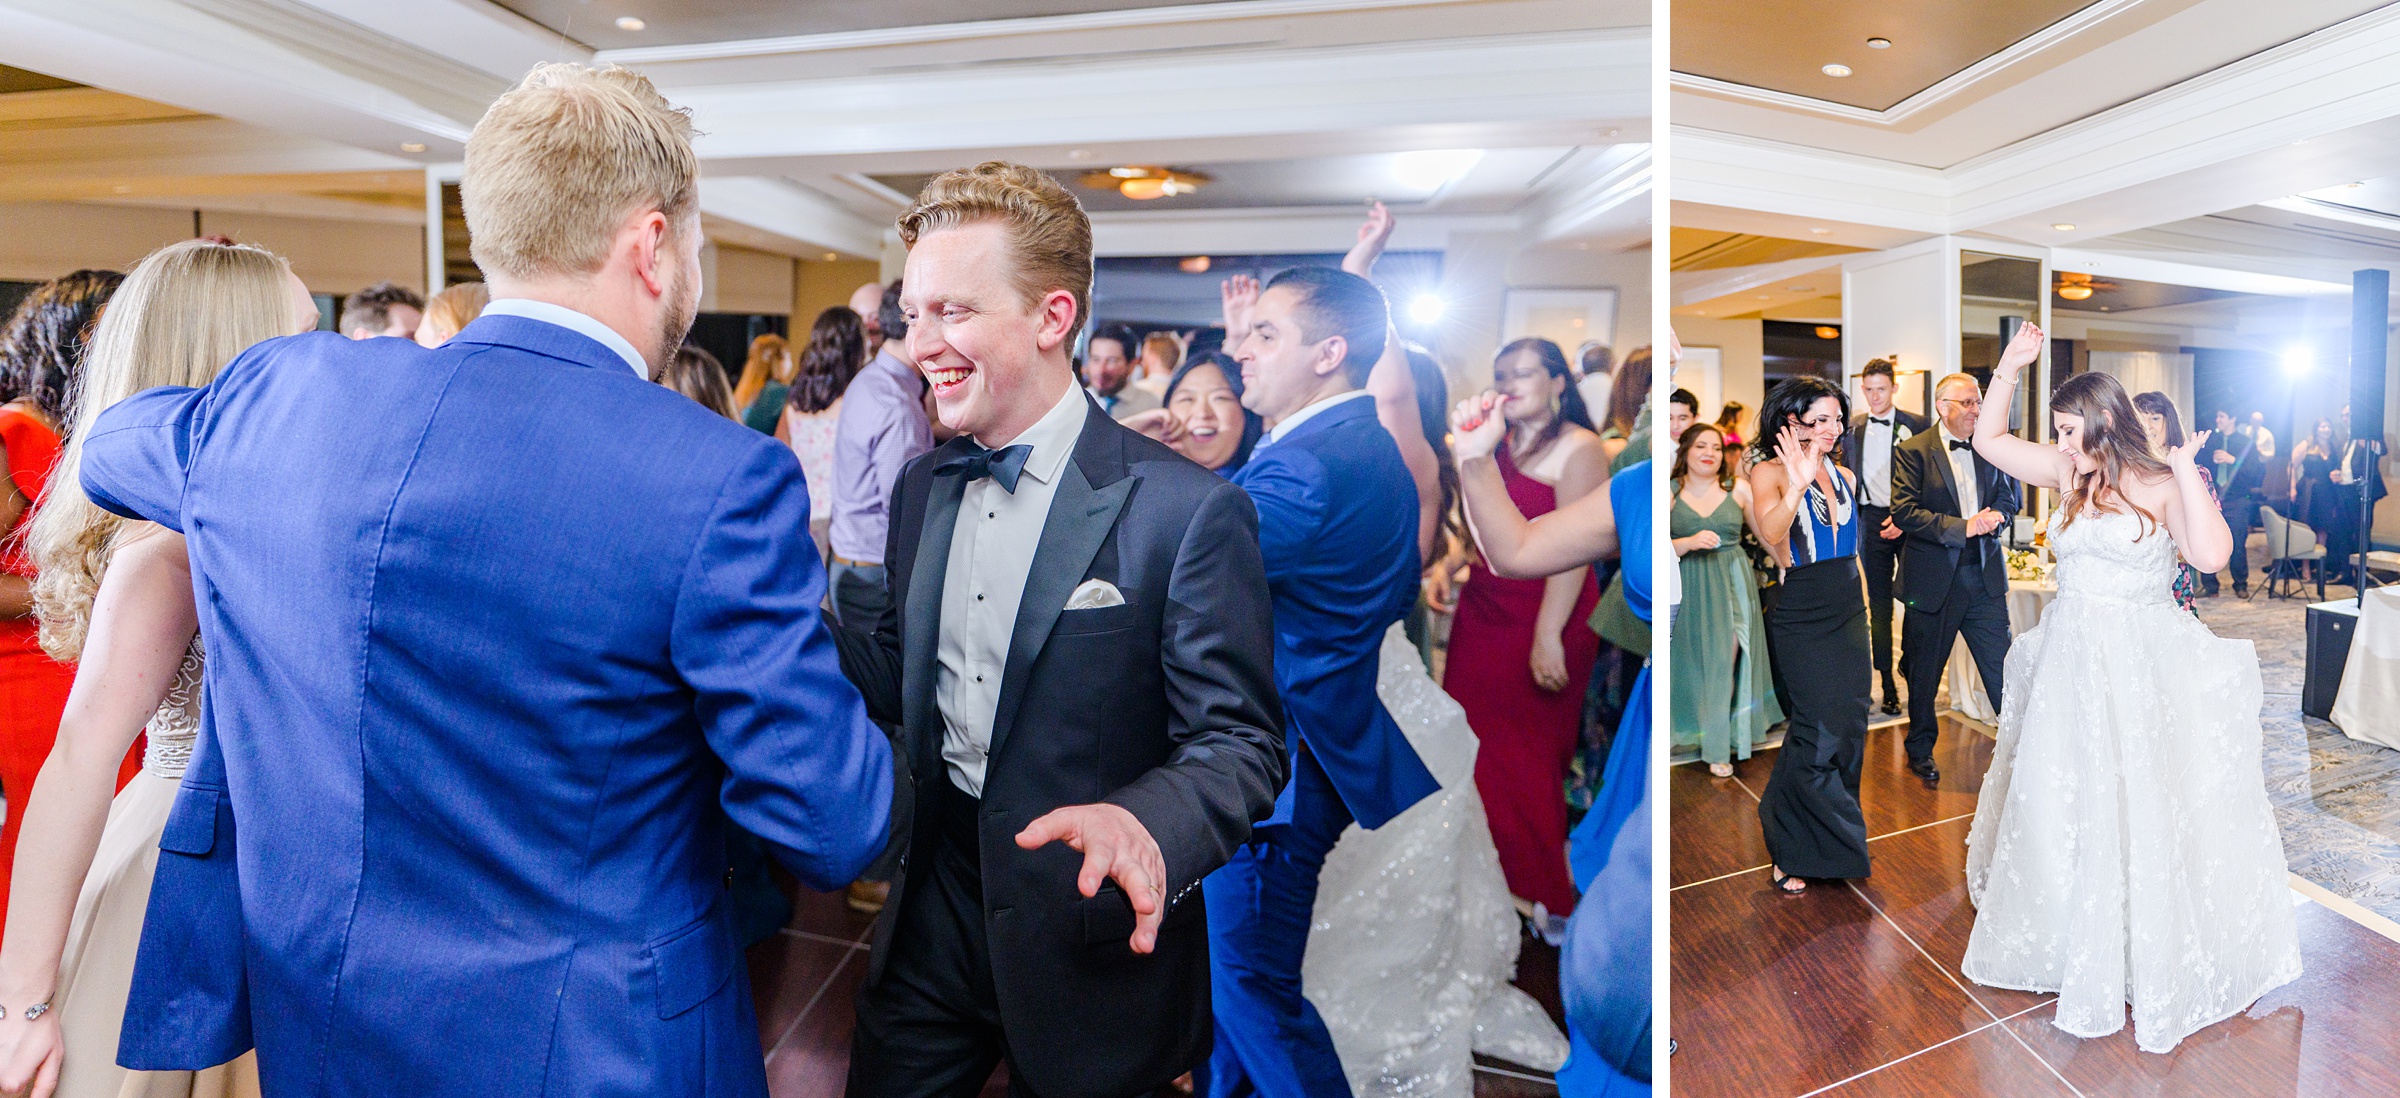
x: 1884, y: 420
x: 1003, y: 465
x: 1957, y: 445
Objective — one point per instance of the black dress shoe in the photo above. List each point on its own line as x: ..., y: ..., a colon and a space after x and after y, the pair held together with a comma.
x: 1891, y: 698
x: 2241, y: 590
x: 1925, y: 769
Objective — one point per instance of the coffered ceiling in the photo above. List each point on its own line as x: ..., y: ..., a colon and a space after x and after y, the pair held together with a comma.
x: 1787, y: 46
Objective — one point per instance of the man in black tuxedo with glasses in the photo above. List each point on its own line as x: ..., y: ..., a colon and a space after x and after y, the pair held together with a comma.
x: 1874, y: 435
x: 1951, y: 504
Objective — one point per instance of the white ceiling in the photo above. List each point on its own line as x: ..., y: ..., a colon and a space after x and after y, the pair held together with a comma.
x: 1300, y: 103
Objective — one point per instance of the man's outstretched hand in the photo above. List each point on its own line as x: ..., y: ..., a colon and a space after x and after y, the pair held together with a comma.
x: 1116, y: 846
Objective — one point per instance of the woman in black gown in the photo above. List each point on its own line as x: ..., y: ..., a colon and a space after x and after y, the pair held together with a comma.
x: 1816, y: 634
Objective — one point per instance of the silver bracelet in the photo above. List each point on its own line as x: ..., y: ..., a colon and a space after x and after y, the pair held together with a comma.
x: 32, y: 1012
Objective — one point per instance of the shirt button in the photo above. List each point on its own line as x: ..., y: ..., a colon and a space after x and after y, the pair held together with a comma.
x: 979, y: 597
x: 978, y: 678
x: 991, y: 514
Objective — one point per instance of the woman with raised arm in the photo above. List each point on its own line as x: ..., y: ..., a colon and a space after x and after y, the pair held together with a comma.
x: 1806, y: 505
x: 2123, y: 849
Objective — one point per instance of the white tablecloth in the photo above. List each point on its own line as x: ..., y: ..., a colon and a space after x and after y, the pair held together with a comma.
x: 2026, y: 601
x: 2367, y: 708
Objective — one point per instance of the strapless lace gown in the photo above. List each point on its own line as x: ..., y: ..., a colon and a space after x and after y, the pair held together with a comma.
x: 96, y: 971
x: 1413, y: 941
x: 2123, y: 850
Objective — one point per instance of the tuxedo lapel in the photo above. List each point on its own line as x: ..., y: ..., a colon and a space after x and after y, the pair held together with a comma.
x: 1081, y: 517
x: 922, y: 633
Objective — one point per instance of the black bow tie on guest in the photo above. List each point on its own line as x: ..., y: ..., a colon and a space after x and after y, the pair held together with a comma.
x: 1885, y: 421
x: 1004, y: 465
x: 1955, y: 444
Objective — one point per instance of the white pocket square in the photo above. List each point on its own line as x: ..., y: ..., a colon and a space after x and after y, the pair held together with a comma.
x: 1095, y: 594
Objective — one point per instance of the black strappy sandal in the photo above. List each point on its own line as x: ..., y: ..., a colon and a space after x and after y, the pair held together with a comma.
x: 1781, y: 879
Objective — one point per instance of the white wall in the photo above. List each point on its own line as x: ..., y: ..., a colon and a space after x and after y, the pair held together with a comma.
x: 1903, y: 302
x: 1742, y: 345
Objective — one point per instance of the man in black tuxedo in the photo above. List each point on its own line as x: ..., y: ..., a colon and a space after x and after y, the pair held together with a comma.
x: 2360, y: 462
x: 2235, y: 461
x: 1950, y: 503
x: 1874, y: 435
x: 1078, y: 651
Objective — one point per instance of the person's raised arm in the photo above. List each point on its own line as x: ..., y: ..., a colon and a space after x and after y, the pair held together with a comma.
x: 1394, y: 387
x: 2195, y: 522
x: 142, y: 623
x: 2030, y: 462
x: 1777, y: 487
x: 1570, y: 537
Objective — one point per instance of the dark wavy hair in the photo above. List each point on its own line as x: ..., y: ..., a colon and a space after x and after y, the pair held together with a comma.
x: 2112, y: 438
x: 697, y: 374
x: 1683, y: 449
x: 2160, y: 404
x: 1570, y: 403
x: 1433, y: 413
x: 1252, y: 426
x: 42, y: 348
x: 1787, y: 402
x: 837, y: 350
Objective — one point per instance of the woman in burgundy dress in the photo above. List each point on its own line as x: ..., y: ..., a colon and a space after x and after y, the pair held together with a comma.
x: 1520, y: 651
x: 41, y: 351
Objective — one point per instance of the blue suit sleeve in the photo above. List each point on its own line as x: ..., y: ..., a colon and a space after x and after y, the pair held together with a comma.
x: 804, y: 769
x: 1291, y: 507
x: 136, y: 454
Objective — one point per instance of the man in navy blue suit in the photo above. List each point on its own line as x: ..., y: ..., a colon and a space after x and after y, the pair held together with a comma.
x: 1337, y: 523
x: 499, y: 634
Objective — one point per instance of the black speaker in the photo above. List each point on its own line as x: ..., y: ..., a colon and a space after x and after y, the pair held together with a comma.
x: 2330, y: 627
x: 2370, y: 315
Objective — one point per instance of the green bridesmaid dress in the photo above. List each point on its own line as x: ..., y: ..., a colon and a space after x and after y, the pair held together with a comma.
x: 1723, y: 697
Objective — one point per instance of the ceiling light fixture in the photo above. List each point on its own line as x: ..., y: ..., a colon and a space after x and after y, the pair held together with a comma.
x: 1426, y: 308
x: 1197, y: 264
x: 1836, y: 70
x: 412, y: 146
x: 1820, y: 232
x: 1828, y: 331
x: 1143, y: 182
x: 1079, y: 154
x: 2075, y: 291
x: 631, y: 23
x: 2064, y: 226
x: 1431, y: 169
x: 830, y: 257
x: 1879, y: 43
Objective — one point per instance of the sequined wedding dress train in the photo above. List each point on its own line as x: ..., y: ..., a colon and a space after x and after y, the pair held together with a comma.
x: 1414, y: 942
x: 2123, y: 850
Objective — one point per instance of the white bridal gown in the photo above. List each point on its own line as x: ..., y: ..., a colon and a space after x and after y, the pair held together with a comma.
x: 2123, y: 849
x: 1414, y: 942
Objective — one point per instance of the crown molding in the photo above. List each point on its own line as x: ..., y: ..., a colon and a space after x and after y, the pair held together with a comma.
x: 1957, y: 84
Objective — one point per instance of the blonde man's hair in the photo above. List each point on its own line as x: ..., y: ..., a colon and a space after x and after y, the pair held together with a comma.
x: 1168, y: 349
x: 562, y: 159
x: 1048, y: 233
x: 184, y: 312
x: 450, y: 311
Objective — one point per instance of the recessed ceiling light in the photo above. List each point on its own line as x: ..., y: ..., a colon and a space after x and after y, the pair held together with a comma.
x: 1879, y: 43
x: 1836, y: 70
x: 412, y: 146
x: 1431, y: 169
x: 830, y: 257
x: 1079, y: 154
x: 2064, y: 226
x: 630, y: 23
x: 1820, y: 232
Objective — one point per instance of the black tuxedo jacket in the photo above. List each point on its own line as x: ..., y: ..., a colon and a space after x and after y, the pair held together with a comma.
x: 1854, y: 454
x: 1925, y: 508
x: 2364, y: 468
x: 2243, y: 476
x: 1164, y: 706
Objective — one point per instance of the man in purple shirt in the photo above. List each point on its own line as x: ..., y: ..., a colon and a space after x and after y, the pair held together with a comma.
x: 883, y: 425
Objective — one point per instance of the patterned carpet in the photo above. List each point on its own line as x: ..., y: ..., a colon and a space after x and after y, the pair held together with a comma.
x: 2337, y: 800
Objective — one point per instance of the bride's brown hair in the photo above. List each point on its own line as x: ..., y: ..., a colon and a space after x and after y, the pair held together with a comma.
x: 2112, y: 438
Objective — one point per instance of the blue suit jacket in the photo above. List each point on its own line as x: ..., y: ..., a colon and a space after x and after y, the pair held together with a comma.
x: 1337, y: 520
x: 493, y: 630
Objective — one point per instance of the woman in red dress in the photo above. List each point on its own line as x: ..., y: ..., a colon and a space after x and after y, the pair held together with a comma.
x: 1520, y: 651
x: 41, y: 353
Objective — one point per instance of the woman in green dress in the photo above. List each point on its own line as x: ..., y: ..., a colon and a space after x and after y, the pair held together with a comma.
x: 1723, y: 696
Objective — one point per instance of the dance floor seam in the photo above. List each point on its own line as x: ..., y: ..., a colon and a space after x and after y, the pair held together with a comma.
x: 1931, y: 1048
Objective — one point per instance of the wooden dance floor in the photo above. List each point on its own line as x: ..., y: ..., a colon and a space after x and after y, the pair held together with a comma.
x: 804, y: 978
x: 1855, y: 990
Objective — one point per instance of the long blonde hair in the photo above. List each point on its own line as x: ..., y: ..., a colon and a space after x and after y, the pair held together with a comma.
x: 770, y: 360
x: 182, y: 314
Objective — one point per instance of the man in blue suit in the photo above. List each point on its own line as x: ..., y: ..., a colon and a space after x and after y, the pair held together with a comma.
x: 499, y: 634
x: 1337, y: 523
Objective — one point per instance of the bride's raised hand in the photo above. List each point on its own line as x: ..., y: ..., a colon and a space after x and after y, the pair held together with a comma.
x: 1799, y: 458
x: 2187, y: 456
x: 2021, y: 350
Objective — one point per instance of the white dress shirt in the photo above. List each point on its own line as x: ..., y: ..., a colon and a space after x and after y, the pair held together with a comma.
x: 574, y: 322
x: 991, y: 552
x: 1875, y: 458
x: 1962, y: 474
x: 1305, y: 414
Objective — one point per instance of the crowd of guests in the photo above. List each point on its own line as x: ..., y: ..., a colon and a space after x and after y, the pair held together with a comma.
x: 1503, y: 584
